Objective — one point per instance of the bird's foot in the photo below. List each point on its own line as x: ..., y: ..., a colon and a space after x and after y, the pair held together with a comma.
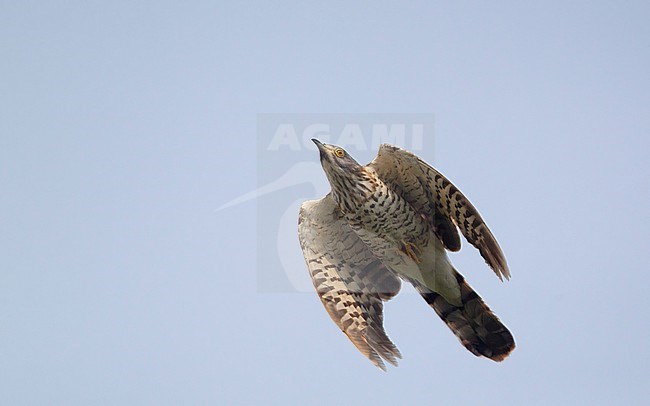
x: 412, y: 250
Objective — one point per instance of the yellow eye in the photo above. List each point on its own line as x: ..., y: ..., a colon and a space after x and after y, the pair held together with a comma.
x: 339, y: 152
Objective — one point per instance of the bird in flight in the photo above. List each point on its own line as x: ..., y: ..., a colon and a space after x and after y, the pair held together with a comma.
x: 392, y: 220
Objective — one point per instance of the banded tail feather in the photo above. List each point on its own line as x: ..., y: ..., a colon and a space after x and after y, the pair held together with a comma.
x: 475, y: 325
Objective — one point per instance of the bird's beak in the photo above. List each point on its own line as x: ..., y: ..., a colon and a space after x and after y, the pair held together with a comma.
x: 321, y: 148
x: 319, y: 144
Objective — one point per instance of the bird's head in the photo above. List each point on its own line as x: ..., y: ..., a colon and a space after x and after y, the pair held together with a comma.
x: 335, y: 159
x: 343, y: 172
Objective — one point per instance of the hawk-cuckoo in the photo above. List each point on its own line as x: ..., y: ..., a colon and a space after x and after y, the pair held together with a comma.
x: 390, y: 220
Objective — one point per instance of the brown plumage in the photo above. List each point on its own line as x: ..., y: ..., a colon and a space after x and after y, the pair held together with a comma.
x: 475, y: 325
x: 389, y: 220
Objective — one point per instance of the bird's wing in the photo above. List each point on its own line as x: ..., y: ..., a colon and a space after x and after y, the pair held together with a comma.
x: 350, y: 281
x: 424, y: 187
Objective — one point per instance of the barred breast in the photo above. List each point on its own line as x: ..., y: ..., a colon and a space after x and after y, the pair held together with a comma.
x: 386, y: 221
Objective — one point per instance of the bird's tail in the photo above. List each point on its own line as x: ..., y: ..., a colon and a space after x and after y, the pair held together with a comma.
x: 477, y: 328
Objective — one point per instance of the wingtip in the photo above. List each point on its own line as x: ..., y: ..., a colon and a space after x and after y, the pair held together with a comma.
x: 503, y: 274
x: 506, y: 272
x: 377, y: 361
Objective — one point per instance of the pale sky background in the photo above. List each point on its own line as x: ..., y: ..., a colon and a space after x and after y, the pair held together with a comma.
x: 123, y: 125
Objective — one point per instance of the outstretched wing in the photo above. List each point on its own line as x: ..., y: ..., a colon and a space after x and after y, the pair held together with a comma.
x: 432, y: 194
x: 349, y: 280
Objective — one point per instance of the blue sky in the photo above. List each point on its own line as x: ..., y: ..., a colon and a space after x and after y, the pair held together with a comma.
x: 124, y: 125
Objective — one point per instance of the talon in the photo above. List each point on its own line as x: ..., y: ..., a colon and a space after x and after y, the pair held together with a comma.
x: 412, y: 251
